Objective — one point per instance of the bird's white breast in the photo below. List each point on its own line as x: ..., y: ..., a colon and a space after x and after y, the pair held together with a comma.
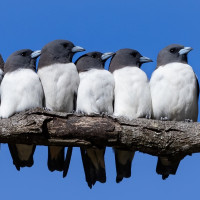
x: 20, y: 90
x: 174, y: 92
x: 132, y: 93
x: 60, y: 83
x: 95, y: 92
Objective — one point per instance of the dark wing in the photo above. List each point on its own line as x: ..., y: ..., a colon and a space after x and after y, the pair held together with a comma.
x: 67, y: 161
x: 1, y: 63
x: 55, y: 158
x: 14, y: 154
x: 167, y: 166
x: 16, y: 160
x: 113, y: 103
x: 123, y: 170
x: 197, y: 83
x: 74, y: 101
x: 88, y: 168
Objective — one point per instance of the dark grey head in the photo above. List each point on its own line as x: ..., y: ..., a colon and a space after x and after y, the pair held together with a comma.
x: 22, y: 59
x: 173, y: 53
x: 1, y: 63
x: 127, y: 57
x: 92, y: 60
x: 58, y: 51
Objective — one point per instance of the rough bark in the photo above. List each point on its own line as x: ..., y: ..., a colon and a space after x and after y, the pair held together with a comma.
x: 148, y: 136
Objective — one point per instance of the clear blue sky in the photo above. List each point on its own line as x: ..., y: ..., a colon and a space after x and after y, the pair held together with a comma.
x: 145, y: 25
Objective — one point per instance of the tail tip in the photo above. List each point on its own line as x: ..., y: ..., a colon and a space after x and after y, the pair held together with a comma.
x: 118, y: 179
x: 165, y: 176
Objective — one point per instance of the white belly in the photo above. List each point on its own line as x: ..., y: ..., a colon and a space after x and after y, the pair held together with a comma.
x: 174, y: 92
x: 95, y: 93
x: 20, y: 90
x: 60, y: 83
x: 132, y: 93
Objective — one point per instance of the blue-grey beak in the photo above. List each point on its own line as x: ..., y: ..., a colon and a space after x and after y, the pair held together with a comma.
x: 36, y: 54
x: 77, y: 49
x: 144, y: 59
x: 185, y: 50
x: 107, y: 55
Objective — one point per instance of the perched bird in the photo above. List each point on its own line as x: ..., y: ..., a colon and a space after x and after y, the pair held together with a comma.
x: 1, y: 71
x: 175, y: 91
x: 60, y: 82
x: 1, y: 68
x: 95, y: 96
x: 21, y: 89
x: 132, y: 98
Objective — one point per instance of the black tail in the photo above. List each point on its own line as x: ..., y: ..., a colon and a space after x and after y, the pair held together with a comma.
x: 123, y: 164
x: 101, y: 175
x: 88, y: 169
x: 93, y: 174
x: 99, y: 162
x: 67, y: 161
x: 17, y: 161
x: 165, y: 167
x: 56, y: 158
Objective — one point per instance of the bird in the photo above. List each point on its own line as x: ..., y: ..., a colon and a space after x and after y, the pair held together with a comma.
x: 1, y: 68
x: 60, y: 81
x: 175, y: 92
x: 1, y: 72
x: 132, y: 99
x: 21, y: 89
x: 95, y: 96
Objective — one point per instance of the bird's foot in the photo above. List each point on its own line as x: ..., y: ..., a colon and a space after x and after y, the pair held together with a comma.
x: 164, y: 118
x: 47, y: 109
x: 188, y: 120
x: 148, y: 116
x: 79, y: 112
x: 104, y: 114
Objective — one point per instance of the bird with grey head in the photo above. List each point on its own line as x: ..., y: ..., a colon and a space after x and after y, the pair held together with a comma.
x: 21, y: 89
x: 175, y: 92
x: 1, y: 71
x: 132, y: 98
x: 95, y: 96
x: 60, y: 81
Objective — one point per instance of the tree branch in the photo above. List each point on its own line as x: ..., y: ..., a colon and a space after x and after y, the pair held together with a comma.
x: 154, y: 137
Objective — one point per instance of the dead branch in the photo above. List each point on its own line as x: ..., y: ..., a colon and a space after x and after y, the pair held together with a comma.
x: 148, y: 136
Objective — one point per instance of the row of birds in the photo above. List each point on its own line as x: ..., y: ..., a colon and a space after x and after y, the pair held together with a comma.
x: 85, y: 86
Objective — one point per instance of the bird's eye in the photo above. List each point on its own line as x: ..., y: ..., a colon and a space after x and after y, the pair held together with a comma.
x: 23, y: 54
x: 172, y: 50
x: 134, y: 54
x: 94, y: 56
x: 65, y: 45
